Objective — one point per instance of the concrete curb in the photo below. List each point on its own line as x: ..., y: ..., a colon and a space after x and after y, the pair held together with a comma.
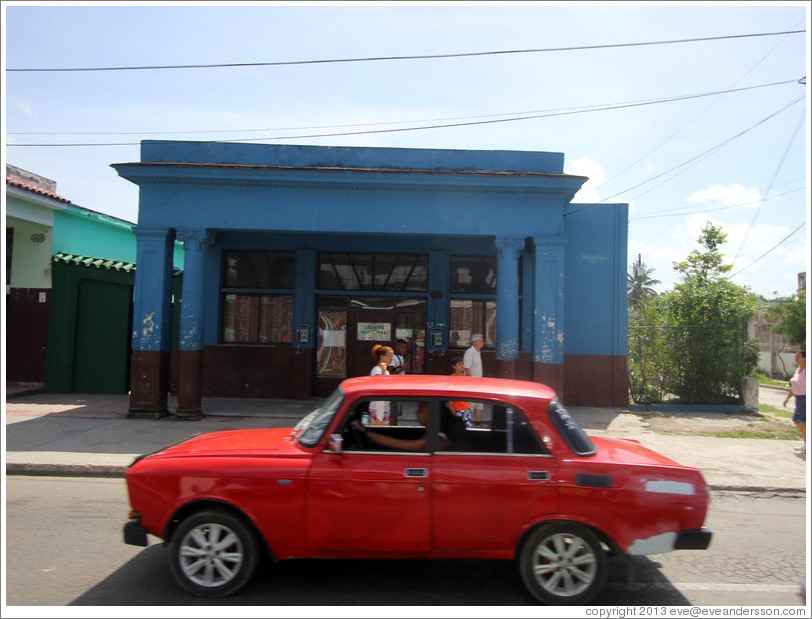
x: 64, y: 470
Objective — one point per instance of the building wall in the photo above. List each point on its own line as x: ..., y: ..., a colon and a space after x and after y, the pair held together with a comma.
x: 81, y: 232
x: 595, y: 371
x: 31, y: 260
x: 568, y: 325
x: 28, y: 288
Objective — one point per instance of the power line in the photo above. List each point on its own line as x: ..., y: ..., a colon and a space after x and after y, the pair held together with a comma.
x: 707, y: 107
x: 773, y: 248
x: 769, y: 186
x: 679, y: 168
x: 454, y: 125
x: 680, y: 211
x: 417, y: 57
x: 577, y: 109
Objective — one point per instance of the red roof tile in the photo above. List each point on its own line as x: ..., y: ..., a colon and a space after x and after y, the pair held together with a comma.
x: 16, y: 182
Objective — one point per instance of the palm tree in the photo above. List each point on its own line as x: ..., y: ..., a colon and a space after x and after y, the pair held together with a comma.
x: 639, y: 284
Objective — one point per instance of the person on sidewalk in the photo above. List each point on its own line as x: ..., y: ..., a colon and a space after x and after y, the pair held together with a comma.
x: 398, y: 365
x: 461, y: 409
x: 797, y: 388
x: 472, y: 362
x: 379, y: 410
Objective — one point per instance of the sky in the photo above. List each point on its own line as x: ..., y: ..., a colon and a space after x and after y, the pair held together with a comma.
x: 685, y: 132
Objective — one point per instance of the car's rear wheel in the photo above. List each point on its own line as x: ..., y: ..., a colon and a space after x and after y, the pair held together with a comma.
x: 213, y: 553
x: 563, y: 564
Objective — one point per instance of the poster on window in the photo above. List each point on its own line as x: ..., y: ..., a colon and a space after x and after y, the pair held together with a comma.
x: 375, y: 331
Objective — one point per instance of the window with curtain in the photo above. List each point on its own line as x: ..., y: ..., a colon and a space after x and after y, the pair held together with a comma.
x: 257, y: 297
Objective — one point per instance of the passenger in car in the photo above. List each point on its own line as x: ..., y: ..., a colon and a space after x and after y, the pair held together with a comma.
x: 391, y: 442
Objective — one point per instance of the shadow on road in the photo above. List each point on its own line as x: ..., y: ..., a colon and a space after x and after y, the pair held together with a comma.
x: 145, y: 580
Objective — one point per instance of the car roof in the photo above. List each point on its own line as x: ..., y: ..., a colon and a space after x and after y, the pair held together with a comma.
x: 422, y: 385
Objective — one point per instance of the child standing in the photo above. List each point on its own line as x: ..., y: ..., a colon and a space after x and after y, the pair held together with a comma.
x: 461, y: 409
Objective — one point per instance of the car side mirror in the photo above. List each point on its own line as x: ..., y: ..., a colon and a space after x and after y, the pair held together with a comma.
x: 335, y: 444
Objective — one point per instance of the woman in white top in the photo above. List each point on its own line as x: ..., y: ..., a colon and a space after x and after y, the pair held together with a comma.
x: 379, y: 410
x: 797, y: 388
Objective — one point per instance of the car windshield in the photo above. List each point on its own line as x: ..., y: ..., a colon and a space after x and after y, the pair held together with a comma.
x: 573, y: 434
x: 313, y: 426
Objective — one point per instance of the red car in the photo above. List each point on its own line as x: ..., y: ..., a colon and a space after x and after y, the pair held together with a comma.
x: 527, y: 484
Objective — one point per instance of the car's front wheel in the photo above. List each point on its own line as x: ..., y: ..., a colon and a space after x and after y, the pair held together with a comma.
x: 563, y: 564
x: 213, y: 553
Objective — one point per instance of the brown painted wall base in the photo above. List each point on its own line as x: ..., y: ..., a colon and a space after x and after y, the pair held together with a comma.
x: 149, y: 380
x: 592, y: 380
x: 26, y: 333
x: 190, y: 374
x: 550, y: 374
x: 256, y: 372
x: 267, y: 372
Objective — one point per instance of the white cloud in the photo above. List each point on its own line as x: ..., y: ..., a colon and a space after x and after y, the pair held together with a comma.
x: 589, y: 167
x: 761, y: 261
x: 734, y: 195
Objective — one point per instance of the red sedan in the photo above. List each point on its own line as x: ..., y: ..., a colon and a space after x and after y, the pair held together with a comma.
x: 527, y: 484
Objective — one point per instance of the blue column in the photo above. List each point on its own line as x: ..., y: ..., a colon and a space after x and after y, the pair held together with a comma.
x: 548, y: 317
x: 152, y: 322
x: 508, y: 250
x: 190, y: 339
x: 304, y: 297
x: 438, y: 310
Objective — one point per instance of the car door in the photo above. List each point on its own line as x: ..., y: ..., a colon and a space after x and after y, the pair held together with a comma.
x: 369, y: 501
x: 486, y: 494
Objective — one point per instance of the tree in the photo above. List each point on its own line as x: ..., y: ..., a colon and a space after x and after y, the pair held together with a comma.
x: 648, y: 360
x: 639, y: 284
x: 790, y: 312
x: 708, y: 315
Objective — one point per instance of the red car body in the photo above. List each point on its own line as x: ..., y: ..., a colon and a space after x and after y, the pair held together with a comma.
x: 296, y: 490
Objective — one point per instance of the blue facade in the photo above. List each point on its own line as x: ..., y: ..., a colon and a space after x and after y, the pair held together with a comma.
x: 560, y: 269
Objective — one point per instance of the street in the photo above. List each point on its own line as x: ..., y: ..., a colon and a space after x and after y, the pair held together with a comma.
x: 64, y: 547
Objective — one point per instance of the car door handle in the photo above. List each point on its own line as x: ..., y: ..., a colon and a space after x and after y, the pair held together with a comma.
x: 416, y: 473
x: 538, y: 476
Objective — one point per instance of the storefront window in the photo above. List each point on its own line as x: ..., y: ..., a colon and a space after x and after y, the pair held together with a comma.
x: 259, y: 269
x: 257, y: 319
x: 469, y: 316
x: 257, y: 297
x: 386, y: 272
x: 473, y: 275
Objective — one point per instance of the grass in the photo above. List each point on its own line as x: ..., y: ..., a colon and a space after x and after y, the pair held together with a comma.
x: 774, y: 410
x: 763, y: 379
x: 789, y: 434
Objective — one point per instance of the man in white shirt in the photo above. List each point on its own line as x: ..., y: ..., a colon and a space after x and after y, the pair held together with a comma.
x: 472, y: 363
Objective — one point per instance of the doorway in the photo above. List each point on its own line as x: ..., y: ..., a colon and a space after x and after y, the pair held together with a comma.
x: 349, y: 328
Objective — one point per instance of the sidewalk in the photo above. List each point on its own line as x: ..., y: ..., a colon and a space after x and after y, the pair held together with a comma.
x: 90, y: 435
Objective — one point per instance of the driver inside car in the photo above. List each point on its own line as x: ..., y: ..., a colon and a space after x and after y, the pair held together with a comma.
x: 418, y: 444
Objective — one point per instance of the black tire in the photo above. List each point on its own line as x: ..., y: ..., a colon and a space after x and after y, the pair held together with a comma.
x: 213, y: 553
x: 563, y: 564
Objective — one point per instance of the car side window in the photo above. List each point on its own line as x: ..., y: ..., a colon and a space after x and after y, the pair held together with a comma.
x: 371, y: 419
x: 505, y: 430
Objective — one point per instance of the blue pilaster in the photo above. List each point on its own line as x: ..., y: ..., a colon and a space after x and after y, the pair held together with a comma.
x: 304, y: 299
x: 438, y: 310
x: 508, y: 250
x: 548, y: 346
x: 152, y: 322
x: 152, y: 296
x: 195, y: 244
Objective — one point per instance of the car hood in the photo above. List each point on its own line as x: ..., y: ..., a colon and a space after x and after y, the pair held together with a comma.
x: 276, y: 441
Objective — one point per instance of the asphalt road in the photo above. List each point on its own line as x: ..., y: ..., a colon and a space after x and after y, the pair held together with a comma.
x: 64, y: 547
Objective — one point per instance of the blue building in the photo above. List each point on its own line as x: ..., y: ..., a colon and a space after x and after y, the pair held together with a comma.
x: 298, y: 259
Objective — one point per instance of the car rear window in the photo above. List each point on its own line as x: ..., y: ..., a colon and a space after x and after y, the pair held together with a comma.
x: 573, y: 434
